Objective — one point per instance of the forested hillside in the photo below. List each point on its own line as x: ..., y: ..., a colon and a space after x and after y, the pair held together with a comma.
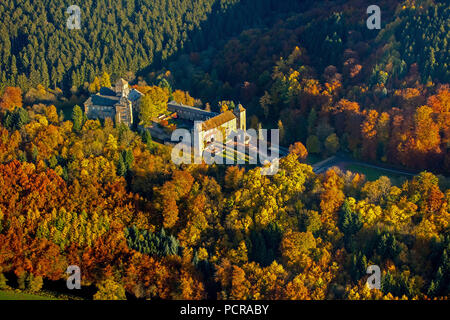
x: 289, y: 62
x: 118, y: 37
x: 323, y: 78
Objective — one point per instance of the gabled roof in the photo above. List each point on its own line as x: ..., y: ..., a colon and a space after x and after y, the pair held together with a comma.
x: 217, y: 121
x: 134, y: 95
x: 100, y: 100
x: 121, y: 81
x: 176, y: 105
x: 104, y: 91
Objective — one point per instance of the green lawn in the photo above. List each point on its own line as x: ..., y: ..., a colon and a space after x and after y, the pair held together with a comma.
x: 13, y: 295
x: 68, y: 105
x: 373, y: 174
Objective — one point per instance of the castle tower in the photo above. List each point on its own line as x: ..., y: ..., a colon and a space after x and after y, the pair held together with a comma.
x: 124, y: 111
x: 122, y: 89
x: 239, y: 112
x: 199, y: 141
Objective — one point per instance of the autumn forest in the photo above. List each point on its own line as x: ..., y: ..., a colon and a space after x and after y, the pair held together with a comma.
x: 107, y: 197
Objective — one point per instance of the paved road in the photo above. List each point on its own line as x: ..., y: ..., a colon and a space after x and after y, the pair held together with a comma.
x: 341, y: 161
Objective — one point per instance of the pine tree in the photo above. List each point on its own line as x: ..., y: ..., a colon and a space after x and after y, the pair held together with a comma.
x: 77, y: 118
x: 121, y: 167
x: 312, y: 117
x: 19, y: 118
x: 349, y: 223
x: 146, y: 137
x: 34, y: 154
x: 128, y: 158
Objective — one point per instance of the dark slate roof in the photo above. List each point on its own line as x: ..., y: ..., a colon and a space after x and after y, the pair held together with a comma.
x: 100, y: 100
x: 104, y: 91
x: 134, y: 95
x: 173, y: 105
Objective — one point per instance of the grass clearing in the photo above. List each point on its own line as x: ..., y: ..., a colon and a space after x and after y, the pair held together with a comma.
x: 67, y: 106
x: 17, y: 295
x: 373, y: 174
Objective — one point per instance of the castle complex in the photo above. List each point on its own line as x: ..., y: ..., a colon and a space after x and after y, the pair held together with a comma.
x: 121, y: 102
